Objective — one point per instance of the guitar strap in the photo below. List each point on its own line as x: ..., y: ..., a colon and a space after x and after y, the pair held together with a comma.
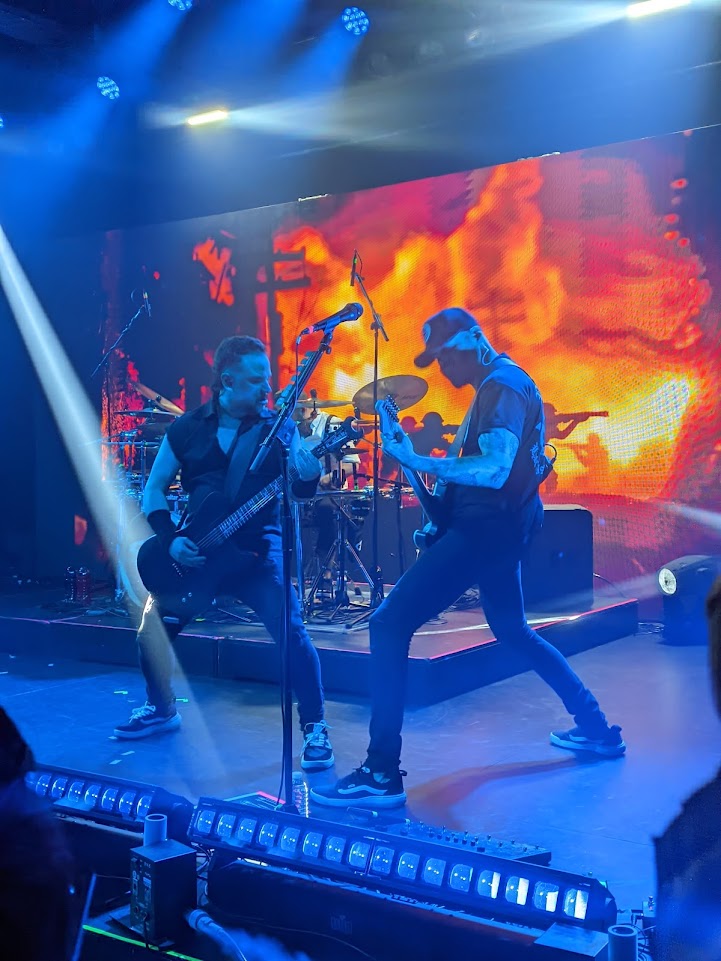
x: 439, y: 488
x: 240, y: 458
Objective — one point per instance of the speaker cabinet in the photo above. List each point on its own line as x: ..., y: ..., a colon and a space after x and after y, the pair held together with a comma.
x: 557, y: 571
x: 396, y: 550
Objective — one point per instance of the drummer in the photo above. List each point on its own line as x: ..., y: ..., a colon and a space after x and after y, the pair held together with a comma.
x: 314, y: 426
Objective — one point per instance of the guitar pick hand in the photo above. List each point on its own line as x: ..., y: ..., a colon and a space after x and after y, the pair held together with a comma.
x: 186, y: 552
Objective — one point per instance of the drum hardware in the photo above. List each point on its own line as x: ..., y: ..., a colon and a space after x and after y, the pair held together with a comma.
x: 314, y: 404
x: 405, y: 389
x: 346, y: 503
x: 152, y: 413
x: 157, y: 401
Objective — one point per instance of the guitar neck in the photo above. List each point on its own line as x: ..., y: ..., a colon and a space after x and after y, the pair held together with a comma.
x: 251, y: 507
x: 256, y: 503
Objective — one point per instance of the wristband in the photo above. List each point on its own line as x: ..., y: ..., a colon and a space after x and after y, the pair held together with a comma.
x: 162, y: 526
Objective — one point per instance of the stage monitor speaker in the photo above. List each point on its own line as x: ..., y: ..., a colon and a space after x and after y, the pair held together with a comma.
x: 557, y: 570
x: 396, y: 550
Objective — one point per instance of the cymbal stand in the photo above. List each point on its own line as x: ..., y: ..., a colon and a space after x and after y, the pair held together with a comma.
x: 377, y: 589
x: 340, y: 549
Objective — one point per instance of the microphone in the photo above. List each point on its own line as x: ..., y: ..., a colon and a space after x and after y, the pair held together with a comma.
x: 353, y: 268
x: 146, y: 304
x: 349, y: 312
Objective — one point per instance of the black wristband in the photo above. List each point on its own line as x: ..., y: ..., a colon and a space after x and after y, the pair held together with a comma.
x: 162, y: 525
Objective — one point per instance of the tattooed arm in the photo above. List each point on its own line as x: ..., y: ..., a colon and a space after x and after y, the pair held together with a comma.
x: 490, y: 468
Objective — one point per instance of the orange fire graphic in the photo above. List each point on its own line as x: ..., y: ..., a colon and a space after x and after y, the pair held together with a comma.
x: 567, y: 266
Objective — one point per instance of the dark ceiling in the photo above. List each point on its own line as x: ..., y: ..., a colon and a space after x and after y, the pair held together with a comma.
x: 419, y: 100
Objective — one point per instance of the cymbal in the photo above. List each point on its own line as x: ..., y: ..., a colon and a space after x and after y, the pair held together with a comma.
x: 405, y: 389
x: 147, y: 412
x: 157, y: 400
x: 315, y: 404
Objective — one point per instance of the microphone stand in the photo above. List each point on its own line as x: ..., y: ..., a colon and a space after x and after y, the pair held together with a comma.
x: 119, y: 591
x: 377, y: 590
x: 288, y: 399
x: 106, y: 356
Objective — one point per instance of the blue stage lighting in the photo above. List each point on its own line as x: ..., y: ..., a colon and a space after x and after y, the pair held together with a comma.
x: 2, y: 123
x: 108, y: 88
x: 108, y: 800
x: 355, y: 21
x: 181, y: 4
x: 463, y: 877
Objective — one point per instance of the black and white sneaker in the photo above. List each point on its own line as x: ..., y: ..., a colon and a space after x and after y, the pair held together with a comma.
x: 145, y: 721
x: 317, y: 753
x: 607, y: 744
x: 363, y: 789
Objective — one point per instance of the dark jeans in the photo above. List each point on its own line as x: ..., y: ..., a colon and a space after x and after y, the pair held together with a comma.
x: 263, y: 591
x: 458, y: 560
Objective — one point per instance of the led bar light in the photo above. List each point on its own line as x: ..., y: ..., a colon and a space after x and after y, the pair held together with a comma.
x: 109, y: 800
x: 455, y: 876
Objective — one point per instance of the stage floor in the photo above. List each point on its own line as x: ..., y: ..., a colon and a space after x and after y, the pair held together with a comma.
x: 479, y: 762
x: 450, y: 655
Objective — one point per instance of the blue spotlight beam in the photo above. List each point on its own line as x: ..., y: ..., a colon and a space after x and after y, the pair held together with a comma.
x: 77, y: 422
x: 131, y: 51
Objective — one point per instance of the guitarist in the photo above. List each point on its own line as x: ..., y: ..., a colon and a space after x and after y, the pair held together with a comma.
x: 492, y: 508
x: 203, y: 444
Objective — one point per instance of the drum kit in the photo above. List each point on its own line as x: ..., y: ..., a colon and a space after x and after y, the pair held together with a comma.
x: 133, y: 452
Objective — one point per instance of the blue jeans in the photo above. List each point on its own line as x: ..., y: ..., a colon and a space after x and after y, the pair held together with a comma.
x: 456, y: 562
x: 263, y: 591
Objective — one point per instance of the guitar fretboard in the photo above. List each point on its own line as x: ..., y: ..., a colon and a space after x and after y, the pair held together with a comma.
x: 233, y: 522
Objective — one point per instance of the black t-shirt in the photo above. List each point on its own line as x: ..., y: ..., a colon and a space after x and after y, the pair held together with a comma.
x: 507, y: 398
x: 193, y: 438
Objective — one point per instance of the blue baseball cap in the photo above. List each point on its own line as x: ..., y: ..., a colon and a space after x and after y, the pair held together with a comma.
x: 439, y: 329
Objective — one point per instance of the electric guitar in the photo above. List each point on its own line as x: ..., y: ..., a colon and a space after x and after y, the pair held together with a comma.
x: 431, y: 504
x: 187, y: 591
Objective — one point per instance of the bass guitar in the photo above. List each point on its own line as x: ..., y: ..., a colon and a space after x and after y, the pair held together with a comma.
x: 185, y: 592
x: 431, y: 503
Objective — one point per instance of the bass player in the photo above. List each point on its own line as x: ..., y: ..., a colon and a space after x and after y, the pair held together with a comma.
x: 491, y: 508
x: 203, y: 445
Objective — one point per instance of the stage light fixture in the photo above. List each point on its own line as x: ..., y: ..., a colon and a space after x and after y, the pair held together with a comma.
x: 684, y: 584
x: 105, y: 800
x: 461, y: 877
x: 2, y: 123
x: 108, y: 88
x: 355, y: 21
x: 210, y: 116
x: 647, y: 7
x: 181, y: 4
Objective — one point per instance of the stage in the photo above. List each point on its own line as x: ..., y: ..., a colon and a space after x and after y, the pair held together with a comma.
x: 479, y: 762
x: 450, y: 655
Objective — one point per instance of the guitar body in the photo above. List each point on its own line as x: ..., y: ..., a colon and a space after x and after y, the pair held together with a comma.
x: 427, y: 536
x: 185, y: 592
x: 431, y: 504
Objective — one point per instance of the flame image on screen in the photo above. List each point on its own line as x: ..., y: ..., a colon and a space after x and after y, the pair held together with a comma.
x: 565, y: 264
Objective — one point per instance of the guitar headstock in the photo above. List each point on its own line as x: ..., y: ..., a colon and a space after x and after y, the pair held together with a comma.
x: 339, y: 437
x: 387, y: 410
